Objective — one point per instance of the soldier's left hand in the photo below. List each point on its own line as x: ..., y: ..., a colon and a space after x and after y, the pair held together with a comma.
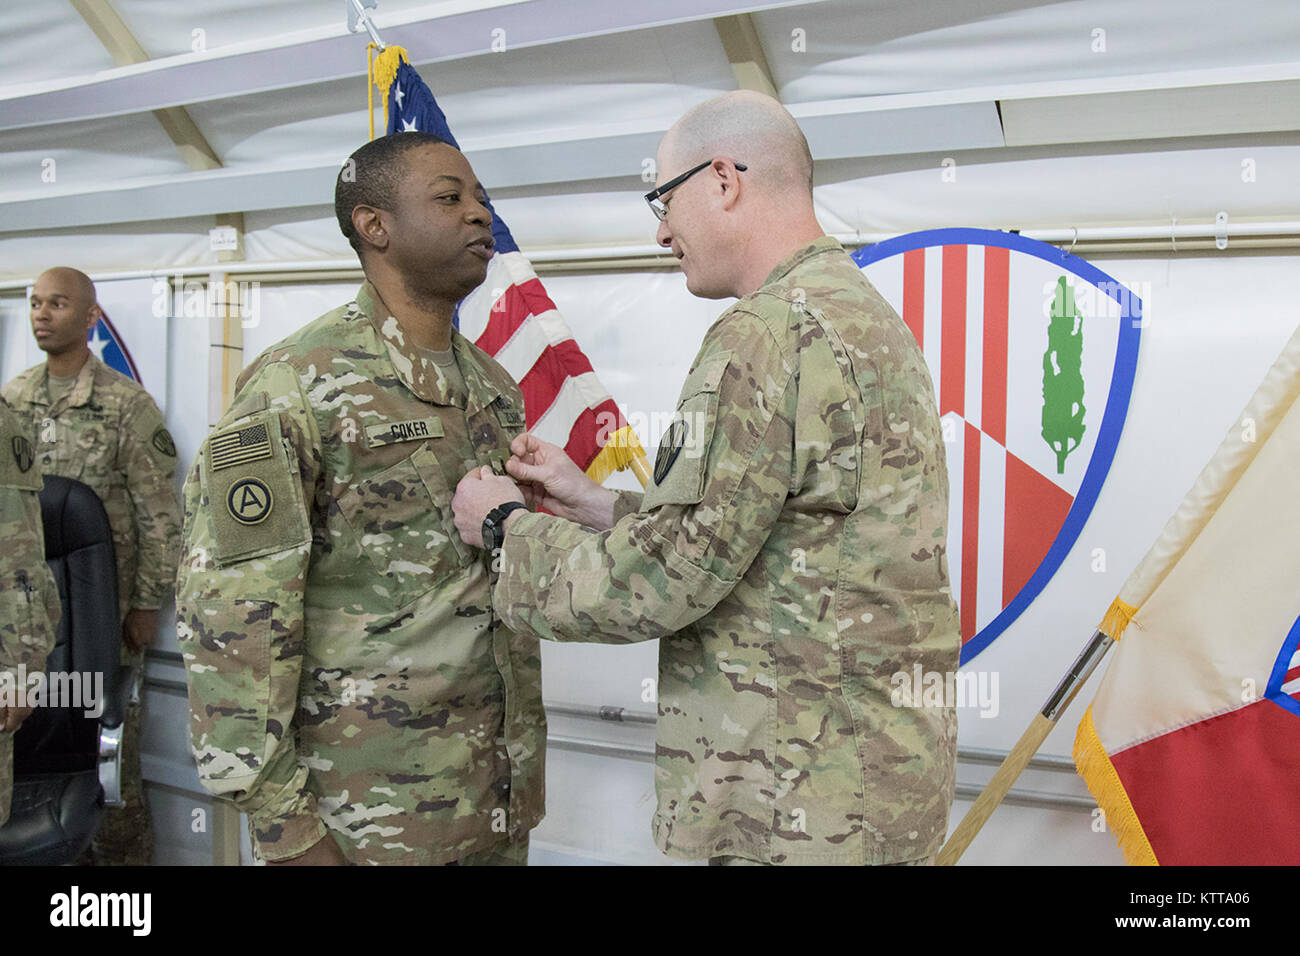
x: 478, y: 493
x: 138, y: 629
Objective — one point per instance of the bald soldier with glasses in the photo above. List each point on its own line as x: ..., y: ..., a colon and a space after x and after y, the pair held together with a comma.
x: 790, y: 552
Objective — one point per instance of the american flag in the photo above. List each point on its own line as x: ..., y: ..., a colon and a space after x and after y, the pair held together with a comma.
x: 511, y: 317
x: 240, y: 447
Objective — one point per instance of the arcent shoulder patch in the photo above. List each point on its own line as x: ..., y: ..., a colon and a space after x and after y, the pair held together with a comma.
x: 249, y: 501
x: 257, y: 507
x: 162, y: 440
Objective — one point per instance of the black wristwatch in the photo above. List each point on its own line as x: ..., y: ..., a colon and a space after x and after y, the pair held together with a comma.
x: 494, y: 525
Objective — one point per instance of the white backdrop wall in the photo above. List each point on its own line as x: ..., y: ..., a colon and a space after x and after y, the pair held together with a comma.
x: 1213, y: 324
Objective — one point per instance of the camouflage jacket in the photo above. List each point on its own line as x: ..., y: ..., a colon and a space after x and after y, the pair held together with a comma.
x: 108, y: 433
x: 29, y: 597
x: 790, y: 556
x: 344, y: 668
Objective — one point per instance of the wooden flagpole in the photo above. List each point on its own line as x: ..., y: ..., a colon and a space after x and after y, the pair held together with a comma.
x: 1016, y: 761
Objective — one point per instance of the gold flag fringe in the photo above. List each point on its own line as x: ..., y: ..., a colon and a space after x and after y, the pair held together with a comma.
x: 620, y: 451
x: 1117, y: 619
x: 1094, y: 766
x: 382, y: 70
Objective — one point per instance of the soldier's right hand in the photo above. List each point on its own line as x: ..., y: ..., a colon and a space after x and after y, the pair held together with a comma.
x: 324, y: 852
x: 552, y: 481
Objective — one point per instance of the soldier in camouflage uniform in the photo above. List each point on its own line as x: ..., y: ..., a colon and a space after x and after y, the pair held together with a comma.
x: 29, y: 598
x: 349, y: 687
x: 95, y: 425
x: 789, y: 553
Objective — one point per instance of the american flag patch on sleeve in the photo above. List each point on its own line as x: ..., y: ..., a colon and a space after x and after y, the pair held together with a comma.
x: 239, y: 447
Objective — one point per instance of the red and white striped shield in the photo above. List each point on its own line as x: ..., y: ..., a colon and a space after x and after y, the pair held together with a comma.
x: 1032, y: 352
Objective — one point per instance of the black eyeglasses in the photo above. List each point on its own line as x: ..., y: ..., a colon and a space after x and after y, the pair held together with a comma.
x: 652, y: 197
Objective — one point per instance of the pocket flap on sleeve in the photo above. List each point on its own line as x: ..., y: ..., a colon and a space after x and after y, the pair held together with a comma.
x: 679, y: 466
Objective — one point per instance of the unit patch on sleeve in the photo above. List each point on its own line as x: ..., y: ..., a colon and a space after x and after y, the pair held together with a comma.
x: 162, y: 440
x: 257, y: 508
x: 249, y: 501
x: 22, y: 450
x: 670, y: 446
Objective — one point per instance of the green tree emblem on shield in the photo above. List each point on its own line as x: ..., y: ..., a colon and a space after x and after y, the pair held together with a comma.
x: 1063, y: 407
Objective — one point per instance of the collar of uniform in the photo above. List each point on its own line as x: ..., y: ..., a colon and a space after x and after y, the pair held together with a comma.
x: 817, y: 247
x: 482, y: 392
x: 38, y: 391
x: 30, y: 387
x: 79, y: 394
x: 417, y: 373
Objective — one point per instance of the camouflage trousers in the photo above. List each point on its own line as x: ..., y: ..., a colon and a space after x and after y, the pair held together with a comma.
x: 741, y: 861
x: 125, y: 835
x: 503, y: 854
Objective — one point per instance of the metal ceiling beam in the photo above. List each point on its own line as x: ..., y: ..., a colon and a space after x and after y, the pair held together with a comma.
x: 1267, y: 107
x: 125, y: 50
x: 832, y: 134
x: 745, y: 54
x: 315, y: 56
x: 912, y: 123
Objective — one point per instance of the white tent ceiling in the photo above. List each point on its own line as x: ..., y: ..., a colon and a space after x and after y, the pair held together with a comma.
x: 1047, y: 127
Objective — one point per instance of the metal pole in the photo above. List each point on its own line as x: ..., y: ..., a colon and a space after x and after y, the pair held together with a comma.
x: 359, y: 16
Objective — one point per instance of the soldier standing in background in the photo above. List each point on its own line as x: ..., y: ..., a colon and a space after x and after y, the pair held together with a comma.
x: 29, y: 597
x: 349, y: 687
x: 790, y: 550
x: 93, y: 424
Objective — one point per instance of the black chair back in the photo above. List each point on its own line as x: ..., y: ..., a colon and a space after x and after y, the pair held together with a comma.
x: 58, y: 802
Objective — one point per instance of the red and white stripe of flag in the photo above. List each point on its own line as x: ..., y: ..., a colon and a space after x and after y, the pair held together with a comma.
x: 564, y: 401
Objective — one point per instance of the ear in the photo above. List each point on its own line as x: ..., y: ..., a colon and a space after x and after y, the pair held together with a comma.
x: 93, y: 315
x: 369, y: 224
x: 728, y: 181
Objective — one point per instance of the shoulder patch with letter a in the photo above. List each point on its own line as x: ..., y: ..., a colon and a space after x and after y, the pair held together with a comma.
x: 256, y: 508
x: 249, y: 501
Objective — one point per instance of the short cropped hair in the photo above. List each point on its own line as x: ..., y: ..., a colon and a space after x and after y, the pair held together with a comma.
x: 370, y: 177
